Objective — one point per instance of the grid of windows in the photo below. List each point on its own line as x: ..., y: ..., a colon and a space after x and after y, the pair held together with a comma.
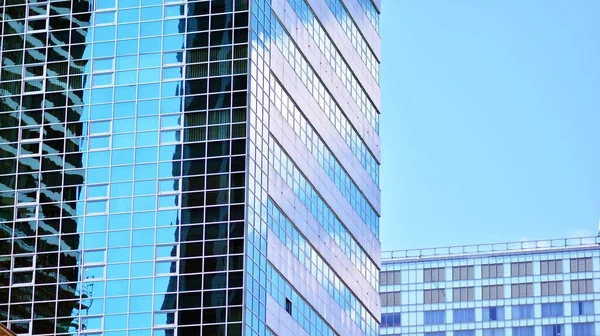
x: 297, y: 120
x: 371, y: 11
x: 307, y: 194
x: 266, y: 25
x: 355, y: 35
x: 158, y: 228
x: 315, y: 85
x: 282, y: 291
x: 328, y: 48
x: 540, y: 299
x: 40, y: 112
x: 258, y: 168
x: 330, y: 164
x: 134, y: 166
x: 289, y: 235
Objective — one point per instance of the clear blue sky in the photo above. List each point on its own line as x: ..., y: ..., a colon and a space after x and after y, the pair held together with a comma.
x: 490, y: 121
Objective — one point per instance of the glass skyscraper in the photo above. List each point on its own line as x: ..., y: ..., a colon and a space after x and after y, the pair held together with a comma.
x: 538, y: 288
x: 189, y: 167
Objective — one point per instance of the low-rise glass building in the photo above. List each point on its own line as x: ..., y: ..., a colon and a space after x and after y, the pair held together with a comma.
x: 538, y: 288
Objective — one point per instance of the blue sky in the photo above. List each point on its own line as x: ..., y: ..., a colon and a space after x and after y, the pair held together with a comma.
x: 490, y: 121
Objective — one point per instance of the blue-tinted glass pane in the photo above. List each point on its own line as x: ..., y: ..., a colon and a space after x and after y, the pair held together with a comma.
x: 523, y: 331
x: 552, y: 309
x: 583, y: 329
x: 522, y: 312
x: 553, y: 330
x: 435, y: 317
x: 464, y: 315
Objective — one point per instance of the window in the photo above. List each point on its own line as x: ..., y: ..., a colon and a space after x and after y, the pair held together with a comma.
x: 22, y: 327
x: 435, y: 317
x: 523, y: 331
x: 522, y: 290
x: 390, y: 299
x: 462, y: 273
x: 521, y: 312
x: 581, y: 265
x: 434, y: 295
x: 552, y: 309
x: 435, y: 333
x: 464, y: 333
x: 463, y: 294
x: 550, y: 288
x: 35, y: 71
x: 582, y: 286
x: 553, y: 330
x: 521, y: 268
x: 26, y: 212
x: 390, y: 320
x: 493, y: 314
x: 22, y: 278
x: 92, y: 323
x: 389, y: 278
x: 434, y: 274
x: 551, y: 266
x: 38, y: 10
x: 37, y: 24
x: 35, y: 85
x: 492, y: 271
x: 493, y: 332
x: 466, y: 315
x: 583, y: 329
x: 21, y: 262
x: 582, y: 308
x: 492, y: 292
x: 288, y: 306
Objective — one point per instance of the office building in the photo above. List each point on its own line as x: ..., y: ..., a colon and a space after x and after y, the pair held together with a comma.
x: 537, y: 288
x: 189, y: 167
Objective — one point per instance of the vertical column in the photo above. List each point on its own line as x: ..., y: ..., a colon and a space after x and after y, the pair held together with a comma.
x: 258, y: 165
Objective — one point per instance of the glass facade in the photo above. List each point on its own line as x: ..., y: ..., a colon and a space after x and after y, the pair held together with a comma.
x: 515, y: 289
x: 142, y: 185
